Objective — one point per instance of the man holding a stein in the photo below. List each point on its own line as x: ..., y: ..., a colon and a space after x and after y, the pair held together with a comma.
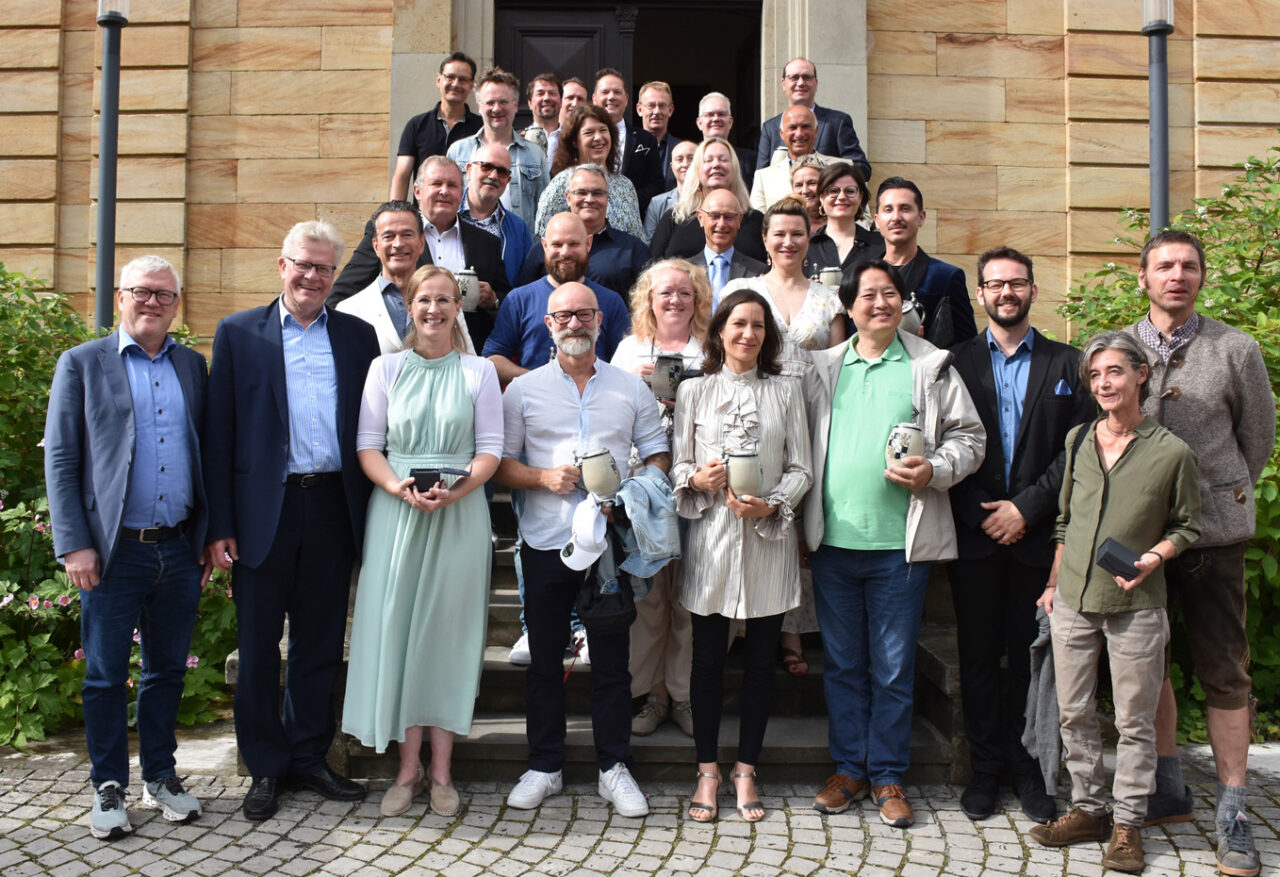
x: 572, y: 407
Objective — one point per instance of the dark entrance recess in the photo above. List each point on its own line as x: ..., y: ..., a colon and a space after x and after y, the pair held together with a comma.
x: 696, y: 47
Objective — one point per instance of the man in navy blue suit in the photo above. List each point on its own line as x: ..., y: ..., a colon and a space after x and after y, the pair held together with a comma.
x: 836, y: 136
x: 127, y: 503
x: 287, y: 510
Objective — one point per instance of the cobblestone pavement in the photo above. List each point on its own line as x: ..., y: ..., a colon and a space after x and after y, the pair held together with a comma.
x: 44, y: 802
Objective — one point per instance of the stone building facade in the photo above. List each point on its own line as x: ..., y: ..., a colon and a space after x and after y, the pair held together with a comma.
x: 1024, y: 121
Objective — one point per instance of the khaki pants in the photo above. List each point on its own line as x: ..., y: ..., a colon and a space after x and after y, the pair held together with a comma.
x: 662, y: 638
x: 1135, y: 644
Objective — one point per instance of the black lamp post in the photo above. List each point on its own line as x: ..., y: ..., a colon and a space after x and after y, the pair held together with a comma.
x: 1157, y: 18
x: 113, y: 15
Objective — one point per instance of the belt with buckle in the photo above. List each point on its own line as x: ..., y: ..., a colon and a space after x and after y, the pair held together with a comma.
x: 307, y: 480
x: 153, y: 535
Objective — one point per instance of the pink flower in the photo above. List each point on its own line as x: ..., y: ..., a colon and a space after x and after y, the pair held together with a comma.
x: 192, y: 662
x: 228, y: 593
x: 64, y: 600
x: 40, y: 528
x: 34, y: 602
x: 8, y: 598
x: 137, y: 637
x: 48, y: 604
x: 79, y: 654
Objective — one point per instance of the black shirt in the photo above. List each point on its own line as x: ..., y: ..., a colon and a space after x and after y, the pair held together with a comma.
x: 616, y: 259
x: 685, y: 239
x: 425, y: 134
x: 823, y: 252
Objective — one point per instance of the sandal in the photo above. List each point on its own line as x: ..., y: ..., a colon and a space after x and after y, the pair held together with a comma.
x: 794, y: 662
x: 748, y: 805
x: 711, y: 810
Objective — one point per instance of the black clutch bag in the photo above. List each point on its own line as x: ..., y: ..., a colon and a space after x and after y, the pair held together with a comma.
x: 1116, y: 559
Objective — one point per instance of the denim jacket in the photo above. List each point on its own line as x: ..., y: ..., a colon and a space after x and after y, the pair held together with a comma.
x: 529, y: 175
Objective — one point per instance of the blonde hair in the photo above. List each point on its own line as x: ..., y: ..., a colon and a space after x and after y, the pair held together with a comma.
x: 421, y: 276
x: 642, y: 322
x: 691, y: 193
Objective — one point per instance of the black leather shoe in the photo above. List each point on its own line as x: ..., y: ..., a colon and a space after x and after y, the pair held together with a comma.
x: 1036, y: 804
x: 979, y: 799
x: 263, y: 799
x: 326, y: 783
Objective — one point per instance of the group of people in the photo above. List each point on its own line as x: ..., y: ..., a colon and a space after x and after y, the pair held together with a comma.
x: 819, y: 454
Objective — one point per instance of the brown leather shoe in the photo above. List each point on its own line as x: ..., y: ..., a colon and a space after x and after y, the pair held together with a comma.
x: 839, y: 792
x: 1073, y: 828
x: 895, y: 809
x: 1125, y: 851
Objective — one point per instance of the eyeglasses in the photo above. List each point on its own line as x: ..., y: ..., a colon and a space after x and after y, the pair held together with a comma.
x: 585, y: 315
x: 721, y: 217
x: 305, y: 267
x: 453, y: 77
x: 588, y: 193
x: 654, y: 106
x: 488, y: 167
x: 715, y: 114
x: 800, y: 77
x: 850, y: 192
x: 142, y: 295
x: 1017, y: 284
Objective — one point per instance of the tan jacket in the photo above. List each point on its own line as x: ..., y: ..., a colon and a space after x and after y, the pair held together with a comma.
x: 954, y: 442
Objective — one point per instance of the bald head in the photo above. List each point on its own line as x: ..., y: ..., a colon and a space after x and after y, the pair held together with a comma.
x: 572, y: 296
x: 799, y: 127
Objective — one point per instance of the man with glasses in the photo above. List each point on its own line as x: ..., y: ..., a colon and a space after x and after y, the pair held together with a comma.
x: 569, y: 406
x: 638, y: 156
x: 799, y: 127
x: 449, y: 243
x: 520, y: 340
x: 715, y: 119
x: 1028, y: 393
x: 498, y: 93
x: 720, y: 215
x: 433, y: 132
x: 488, y: 174
x: 616, y: 258
x: 835, y: 135
x: 127, y: 504
x: 287, y: 504
x: 655, y: 108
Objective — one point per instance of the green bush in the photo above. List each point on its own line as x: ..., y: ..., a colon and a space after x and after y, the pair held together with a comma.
x: 1240, y: 229
x: 41, y: 665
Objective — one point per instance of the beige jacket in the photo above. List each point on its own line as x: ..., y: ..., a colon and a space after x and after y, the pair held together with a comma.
x: 954, y: 442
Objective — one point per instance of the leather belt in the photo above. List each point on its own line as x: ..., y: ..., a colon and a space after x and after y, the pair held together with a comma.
x: 307, y: 480
x: 153, y: 535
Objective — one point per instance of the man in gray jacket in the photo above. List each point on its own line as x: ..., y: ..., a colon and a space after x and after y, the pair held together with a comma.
x: 1210, y: 388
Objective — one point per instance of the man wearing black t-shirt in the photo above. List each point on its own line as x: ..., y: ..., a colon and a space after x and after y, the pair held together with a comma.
x: 433, y: 132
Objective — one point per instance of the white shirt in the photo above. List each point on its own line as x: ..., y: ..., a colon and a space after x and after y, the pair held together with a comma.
x: 446, y: 246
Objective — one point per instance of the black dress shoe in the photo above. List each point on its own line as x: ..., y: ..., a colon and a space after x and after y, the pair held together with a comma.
x: 263, y: 799
x: 1036, y: 804
x: 326, y: 783
x: 979, y: 799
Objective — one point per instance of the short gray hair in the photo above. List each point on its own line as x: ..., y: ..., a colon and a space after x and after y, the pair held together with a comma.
x: 443, y: 161
x: 313, y: 231
x: 715, y: 95
x: 590, y: 168
x: 151, y: 264
x: 1126, y: 344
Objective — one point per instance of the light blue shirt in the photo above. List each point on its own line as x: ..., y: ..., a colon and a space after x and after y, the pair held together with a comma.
x: 311, y: 381
x: 160, y: 479
x: 394, y: 300
x: 1010, y: 374
x: 547, y: 423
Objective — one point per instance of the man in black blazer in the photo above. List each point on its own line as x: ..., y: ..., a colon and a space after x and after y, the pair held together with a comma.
x: 639, y: 154
x: 836, y: 135
x: 287, y: 504
x: 1028, y: 393
x: 655, y: 106
x: 438, y: 190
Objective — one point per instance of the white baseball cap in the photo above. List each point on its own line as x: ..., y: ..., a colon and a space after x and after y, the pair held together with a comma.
x: 588, y: 540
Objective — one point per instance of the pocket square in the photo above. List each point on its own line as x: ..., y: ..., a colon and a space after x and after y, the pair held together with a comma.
x: 1063, y: 388
x: 640, y: 147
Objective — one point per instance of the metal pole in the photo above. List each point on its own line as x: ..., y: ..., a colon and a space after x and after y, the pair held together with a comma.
x: 1158, y: 87
x: 108, y: 137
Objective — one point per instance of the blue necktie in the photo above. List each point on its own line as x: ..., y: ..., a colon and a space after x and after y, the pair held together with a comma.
x: 719, y: 274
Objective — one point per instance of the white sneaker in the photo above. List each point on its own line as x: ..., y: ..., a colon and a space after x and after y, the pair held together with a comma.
x: 619, y: 788
x: 580, y: 646
x: 175, y: 803
x: 520, y: 652
x: 535, y: 786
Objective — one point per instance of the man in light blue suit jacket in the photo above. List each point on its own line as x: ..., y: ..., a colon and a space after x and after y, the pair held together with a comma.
x: 127, y: 503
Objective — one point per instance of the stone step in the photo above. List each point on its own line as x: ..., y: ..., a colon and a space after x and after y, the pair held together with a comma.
x: 795, y: 751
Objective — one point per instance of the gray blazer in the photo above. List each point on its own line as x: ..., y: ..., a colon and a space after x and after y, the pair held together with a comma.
x: 740, y: 266
x: 88, y: 445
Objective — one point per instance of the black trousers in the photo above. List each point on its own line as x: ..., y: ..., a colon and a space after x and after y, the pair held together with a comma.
x: 550, y: 589
x: 706, y: 683
x: 995, y: 602
x: 307, y: 577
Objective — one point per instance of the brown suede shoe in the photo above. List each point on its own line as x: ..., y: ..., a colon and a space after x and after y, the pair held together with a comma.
x: 1073, y: 828
x: 839, y: 792
x: 1125, y: 851
x: 895, y: 809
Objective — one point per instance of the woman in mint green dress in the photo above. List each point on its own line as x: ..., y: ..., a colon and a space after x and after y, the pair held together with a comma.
x: 417, y: 643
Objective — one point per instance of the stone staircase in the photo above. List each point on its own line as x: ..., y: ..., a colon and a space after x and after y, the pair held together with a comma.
x: 796, y: 742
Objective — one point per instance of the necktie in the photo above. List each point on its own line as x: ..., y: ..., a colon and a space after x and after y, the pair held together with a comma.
x: 719, y: 274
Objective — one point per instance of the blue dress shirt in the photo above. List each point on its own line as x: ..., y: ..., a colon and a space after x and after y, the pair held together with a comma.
x: 394, y: 300
x: 1010, y: 374
x: 160, y: 479
x: 312, y: 383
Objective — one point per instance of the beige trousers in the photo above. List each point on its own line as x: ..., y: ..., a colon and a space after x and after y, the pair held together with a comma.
x: 1135, y: 643
x: 662, y: 638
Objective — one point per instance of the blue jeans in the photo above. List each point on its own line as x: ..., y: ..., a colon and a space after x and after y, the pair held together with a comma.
x: 869, y: 606
x: 155, y: 588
